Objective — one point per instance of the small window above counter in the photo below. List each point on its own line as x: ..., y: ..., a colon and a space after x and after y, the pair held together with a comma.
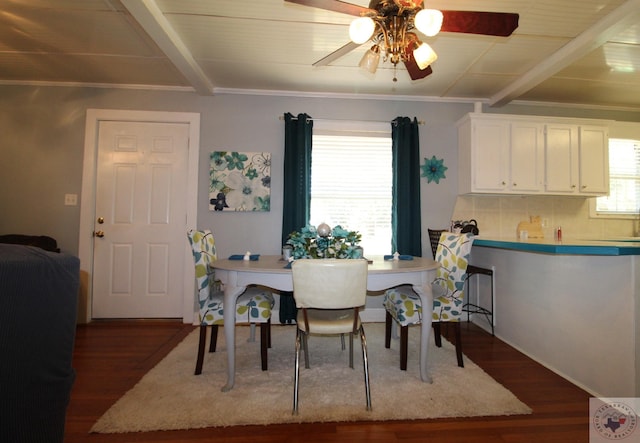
x: 530, y: 155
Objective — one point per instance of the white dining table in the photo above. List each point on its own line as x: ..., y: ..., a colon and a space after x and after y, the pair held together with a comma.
x: 271, y: 271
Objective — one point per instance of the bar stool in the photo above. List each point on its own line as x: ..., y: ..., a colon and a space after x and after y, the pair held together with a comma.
x: 471, y: 308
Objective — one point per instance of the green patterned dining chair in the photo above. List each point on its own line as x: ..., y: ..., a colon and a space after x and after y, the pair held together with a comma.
x: 253, y: 306
x: 404, y: 306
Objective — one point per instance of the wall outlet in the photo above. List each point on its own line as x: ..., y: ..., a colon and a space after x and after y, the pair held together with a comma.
x: 71, y: 199
x: 545, y: 222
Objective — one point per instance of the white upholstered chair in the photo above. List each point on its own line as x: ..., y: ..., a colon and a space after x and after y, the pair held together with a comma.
x: 328, y: 294
x: 253, y: 306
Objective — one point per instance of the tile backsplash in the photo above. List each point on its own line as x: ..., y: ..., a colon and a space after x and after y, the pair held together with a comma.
x: 498, y: 216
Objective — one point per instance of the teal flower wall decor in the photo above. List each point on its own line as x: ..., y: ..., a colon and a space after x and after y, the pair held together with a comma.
x: 433, y: 169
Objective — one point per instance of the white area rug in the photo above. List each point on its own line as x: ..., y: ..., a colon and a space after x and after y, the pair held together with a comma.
x: 171, y: 397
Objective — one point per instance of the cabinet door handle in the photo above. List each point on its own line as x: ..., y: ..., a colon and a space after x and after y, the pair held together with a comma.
x: 515, y: 184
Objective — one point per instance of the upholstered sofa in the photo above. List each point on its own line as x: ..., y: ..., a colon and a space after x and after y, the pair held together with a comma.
x: 38, y: 305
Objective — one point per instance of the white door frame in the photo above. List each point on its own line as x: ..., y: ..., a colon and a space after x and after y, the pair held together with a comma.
x: 88, y: 197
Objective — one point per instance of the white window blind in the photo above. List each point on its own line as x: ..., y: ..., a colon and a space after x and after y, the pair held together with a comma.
x: 351, y: 181
x: 624, y: 179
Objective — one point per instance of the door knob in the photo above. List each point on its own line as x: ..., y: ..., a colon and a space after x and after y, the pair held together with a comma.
x: 101, y: 220
x: 99, y: 234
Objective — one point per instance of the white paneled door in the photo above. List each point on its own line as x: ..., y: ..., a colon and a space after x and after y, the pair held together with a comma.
x: 139, y: 235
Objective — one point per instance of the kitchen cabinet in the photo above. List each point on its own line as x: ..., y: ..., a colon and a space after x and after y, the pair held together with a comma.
x: 577, y: 159
x: 529, y: 155
x: 500, y: 155
x: 561, y: 158
x: 483, y: 155
x: 594, y: 160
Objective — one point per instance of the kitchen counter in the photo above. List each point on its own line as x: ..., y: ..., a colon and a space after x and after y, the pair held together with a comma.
x: 573, y: 306
x: 619, y: 246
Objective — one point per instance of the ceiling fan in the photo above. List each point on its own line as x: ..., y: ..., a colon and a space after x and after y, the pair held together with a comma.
x: 389, y: 25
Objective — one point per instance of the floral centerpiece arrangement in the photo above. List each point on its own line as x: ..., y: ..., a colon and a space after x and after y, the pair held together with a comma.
x: 325, y: 242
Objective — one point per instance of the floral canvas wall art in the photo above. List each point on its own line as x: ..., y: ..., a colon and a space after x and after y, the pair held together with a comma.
x: 240, y: 181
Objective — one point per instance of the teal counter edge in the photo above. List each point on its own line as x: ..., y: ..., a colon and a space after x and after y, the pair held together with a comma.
x: 578, y: 247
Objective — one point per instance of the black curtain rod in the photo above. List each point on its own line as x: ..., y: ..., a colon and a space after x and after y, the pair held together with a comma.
x: 420, y: 122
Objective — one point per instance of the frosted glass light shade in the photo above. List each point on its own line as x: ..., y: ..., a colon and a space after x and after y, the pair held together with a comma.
x: 371, y: 59
x: 424, y: 55
x: 361, y: 29
x: 428, y: 21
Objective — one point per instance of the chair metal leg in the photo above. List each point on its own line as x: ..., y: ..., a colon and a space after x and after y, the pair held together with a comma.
x: 404, y: 345
x: 264, y: 342
x: 365, y: 362
x: 201, y: 344
x: 351, y: 350
x: 296, y: 376
x: 342, y: 341
x: 305, y: 347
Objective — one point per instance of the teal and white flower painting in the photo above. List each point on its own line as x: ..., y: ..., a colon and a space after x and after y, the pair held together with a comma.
x: 433, y: 169
x: 240, y: 181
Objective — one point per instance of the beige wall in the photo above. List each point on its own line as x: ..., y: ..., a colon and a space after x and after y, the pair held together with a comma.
x: 42, y: 148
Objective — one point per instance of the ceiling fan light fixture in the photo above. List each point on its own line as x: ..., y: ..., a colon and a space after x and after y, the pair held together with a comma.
x: 361, y: 29
x: 371, y: 59
x: 428, y: 21
x: 424, y: 55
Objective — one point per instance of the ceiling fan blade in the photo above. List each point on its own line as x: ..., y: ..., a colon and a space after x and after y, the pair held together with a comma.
x: 501, y: 24
x: 414, y: 70
x: 333, y: 5
x: 335, y: 55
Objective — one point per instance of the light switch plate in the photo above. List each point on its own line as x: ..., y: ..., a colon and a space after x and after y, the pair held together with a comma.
x: 71, y: 199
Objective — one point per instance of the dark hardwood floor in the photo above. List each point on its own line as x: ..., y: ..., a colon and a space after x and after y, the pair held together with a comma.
x: 110, y: 357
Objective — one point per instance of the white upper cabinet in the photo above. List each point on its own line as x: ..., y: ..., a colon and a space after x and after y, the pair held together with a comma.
x: 527, y: 157
x: 506, y: 154
x: 577, y: 159
x: 489, y: 156
x: 594, y: 160
x: 500, y: 155
x: 561, y: 159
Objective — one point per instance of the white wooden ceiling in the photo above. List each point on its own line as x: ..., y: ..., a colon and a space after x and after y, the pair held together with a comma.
x: 584, y: 52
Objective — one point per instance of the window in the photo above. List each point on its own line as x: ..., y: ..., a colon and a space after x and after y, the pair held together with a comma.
x: 351, y: 183
x: 624, y: 178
